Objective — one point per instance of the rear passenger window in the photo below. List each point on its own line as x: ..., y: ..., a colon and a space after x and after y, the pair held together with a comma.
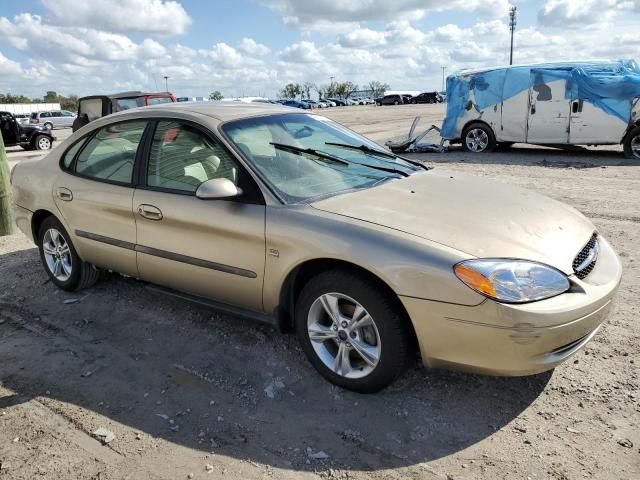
x: 111, y: 153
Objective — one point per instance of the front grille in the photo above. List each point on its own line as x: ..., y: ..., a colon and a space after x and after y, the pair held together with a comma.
x: 586, y: 259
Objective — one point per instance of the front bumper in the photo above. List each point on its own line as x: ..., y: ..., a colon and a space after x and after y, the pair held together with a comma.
x: 501, y: 339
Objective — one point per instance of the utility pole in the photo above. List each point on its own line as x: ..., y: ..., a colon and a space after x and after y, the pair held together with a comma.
x: 444, y: 69
x: 166, y: 83
x: 512, y: 28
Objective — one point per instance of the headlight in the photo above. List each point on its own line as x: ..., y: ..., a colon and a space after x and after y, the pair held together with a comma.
x: 512, y: 281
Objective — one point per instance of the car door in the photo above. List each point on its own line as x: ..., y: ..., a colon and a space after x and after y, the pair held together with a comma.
x: 592, y: 125
x: 549, y: 109
x: 94, y: 193
x: 209, y: 248
x: 9, y: 128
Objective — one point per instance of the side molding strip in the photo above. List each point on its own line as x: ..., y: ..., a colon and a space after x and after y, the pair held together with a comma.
x: 176, y: 257
x: 108, y: 240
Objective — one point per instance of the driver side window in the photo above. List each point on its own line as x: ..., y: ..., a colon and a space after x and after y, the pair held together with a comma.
x: 182, y: 158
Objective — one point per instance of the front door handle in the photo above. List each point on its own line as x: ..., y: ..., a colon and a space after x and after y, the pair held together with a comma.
x: 149, y: 212
x: 65, y: 194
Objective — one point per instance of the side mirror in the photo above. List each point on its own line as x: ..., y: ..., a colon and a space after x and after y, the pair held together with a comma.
x: 217, y: 189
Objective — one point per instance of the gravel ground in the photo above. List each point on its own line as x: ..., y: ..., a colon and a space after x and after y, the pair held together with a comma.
x: 190, y: 393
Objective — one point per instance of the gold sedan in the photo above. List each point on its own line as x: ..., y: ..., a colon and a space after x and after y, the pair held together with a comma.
x: 290, y: 218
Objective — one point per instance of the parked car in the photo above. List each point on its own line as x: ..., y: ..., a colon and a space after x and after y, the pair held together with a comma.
x: 578, y: 103
x: 29, y: 137
x: 53, y: 119
x: 329, y: 103
x: 313, y: 103
x: 365, y: 254
x: 294, y: 103
x: 22, y: 118
x: 425, y: 97
x: 391, y: 100
x: 340, y: 102
x: 97, y: 106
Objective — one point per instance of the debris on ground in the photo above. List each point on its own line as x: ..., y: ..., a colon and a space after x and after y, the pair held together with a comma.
x: 104, y: 435
x: 318, y: 455
x: 412, y: 143
x: 273, y: 386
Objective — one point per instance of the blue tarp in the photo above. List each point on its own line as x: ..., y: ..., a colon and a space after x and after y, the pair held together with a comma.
x: 610, y: 86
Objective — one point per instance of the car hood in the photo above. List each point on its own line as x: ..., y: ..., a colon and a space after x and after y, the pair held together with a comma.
x: 476, y: 216
x: 32, y: 128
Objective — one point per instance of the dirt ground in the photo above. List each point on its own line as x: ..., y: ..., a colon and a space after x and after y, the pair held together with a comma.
x: 190, y: 393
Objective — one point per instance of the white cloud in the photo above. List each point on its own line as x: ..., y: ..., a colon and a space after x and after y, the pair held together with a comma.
x: 89, y: 59
x: 147, y: 16
x: 303, y: 52
x: 315, y: 15
x: 579, y: 13
x: 251, y: 47
x: 9, y: 67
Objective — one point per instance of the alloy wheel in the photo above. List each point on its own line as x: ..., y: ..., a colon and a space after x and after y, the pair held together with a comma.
x: 343, y: 335
x: 635, y: 146
x: 57, y: 254
x: 477, y: 140
x: 44, y: 143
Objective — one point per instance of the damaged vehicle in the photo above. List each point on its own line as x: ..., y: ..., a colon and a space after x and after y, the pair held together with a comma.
x: 293, y: 219
x: 97, y: 106
x: 555, y: 104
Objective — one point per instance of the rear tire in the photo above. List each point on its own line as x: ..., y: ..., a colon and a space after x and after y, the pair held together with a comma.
x: 366, y: 319
x: 631, y: 144
x: 60, y: 259
x: 478, y: 138
x: 48, y: 125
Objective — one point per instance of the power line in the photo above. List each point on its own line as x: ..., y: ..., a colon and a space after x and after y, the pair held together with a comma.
x: 512, y: 28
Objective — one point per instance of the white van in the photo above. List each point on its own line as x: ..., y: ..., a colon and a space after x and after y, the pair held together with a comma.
x: 555, y: 104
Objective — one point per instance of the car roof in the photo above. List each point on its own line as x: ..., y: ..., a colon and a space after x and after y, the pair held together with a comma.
x: 222, y: 111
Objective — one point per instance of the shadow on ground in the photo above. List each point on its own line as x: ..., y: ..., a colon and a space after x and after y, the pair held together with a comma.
x: 527, y: 155
x: 225, y: 384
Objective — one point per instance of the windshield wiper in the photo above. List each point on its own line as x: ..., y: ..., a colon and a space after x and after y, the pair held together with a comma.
x: 375, y: 151
x: 308, y: 151
x: 332, y: 158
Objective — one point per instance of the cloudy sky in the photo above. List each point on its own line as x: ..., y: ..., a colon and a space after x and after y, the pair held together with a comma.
x: 253, y: 47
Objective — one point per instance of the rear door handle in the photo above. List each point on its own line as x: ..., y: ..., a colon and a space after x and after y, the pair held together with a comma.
x: 65, y: 194
x: 149, y: 212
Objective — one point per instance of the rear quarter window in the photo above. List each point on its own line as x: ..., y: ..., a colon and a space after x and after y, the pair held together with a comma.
x: 69, y: 155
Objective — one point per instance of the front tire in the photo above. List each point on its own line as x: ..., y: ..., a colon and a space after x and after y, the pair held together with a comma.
x: 42, y: 142
x: 352, y: 331
x: 478, y: 138
x: 631, y: 144
x: 60, y: 259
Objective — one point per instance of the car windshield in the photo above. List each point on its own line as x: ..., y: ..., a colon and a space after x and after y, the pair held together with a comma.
x: 300, y: 174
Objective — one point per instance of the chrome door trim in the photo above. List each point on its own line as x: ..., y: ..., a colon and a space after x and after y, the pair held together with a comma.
x: 176, y: 257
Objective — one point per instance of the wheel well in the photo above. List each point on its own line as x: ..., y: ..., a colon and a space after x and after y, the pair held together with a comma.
x: 299, y: 276
x: 37, y: 218
x: 631, y: 127
x: 471, y: 122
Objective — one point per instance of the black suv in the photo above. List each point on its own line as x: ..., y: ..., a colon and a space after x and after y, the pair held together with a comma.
x: 29, y: 137
x: 426, y: 97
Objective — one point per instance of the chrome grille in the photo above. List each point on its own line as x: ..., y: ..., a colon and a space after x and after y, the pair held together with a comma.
x: 586, y: 259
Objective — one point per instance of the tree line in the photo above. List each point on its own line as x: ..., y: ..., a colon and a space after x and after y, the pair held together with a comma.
x: 334, y: 89
x: 66, y: 103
